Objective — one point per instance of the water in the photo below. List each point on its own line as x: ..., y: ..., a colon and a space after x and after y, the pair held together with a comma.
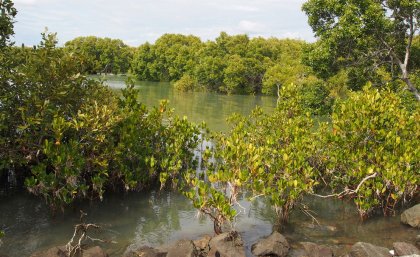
x: 157, y: 218
x: 197, y: 106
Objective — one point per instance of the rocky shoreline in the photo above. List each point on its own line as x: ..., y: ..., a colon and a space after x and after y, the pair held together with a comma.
x: 276, y: 245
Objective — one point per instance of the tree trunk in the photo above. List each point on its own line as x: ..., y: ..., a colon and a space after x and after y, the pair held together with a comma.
x: 412, y: 88
x: 217, y: 227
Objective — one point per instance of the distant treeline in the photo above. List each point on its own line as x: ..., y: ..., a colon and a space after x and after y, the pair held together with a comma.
x: 229, y: 64
x: 234, y: 64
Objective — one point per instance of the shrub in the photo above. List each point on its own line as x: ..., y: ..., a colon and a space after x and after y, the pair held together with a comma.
x: 266, y: 154
x: 374, y: 151
x: 186, y: 83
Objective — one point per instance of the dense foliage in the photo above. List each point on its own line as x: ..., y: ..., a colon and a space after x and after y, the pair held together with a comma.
x: 67, y: 136
x: 101, y: 55
x: 374, y: 136
x: 371, y: 39
x: 8, y: 12
x: 229, y: 64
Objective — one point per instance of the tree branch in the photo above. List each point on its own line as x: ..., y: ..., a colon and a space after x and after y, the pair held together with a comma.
x: 348, y: 191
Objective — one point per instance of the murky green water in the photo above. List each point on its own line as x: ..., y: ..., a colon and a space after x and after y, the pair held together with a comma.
x: 157, y: 218
x: 197, y: 106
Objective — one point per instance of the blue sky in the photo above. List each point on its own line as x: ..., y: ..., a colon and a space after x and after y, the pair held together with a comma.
x: 138, y: 21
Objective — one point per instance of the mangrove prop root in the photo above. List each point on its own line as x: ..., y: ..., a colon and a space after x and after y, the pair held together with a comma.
x: 74, y: 246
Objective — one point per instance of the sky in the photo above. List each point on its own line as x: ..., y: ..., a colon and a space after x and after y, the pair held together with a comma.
x: 140, y: 21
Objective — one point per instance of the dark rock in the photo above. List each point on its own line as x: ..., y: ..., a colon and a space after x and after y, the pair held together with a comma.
x: 273, y: 245
x: 314, y: 250
x: 412, y: 216
x: 227, y: 245
x: 402, y: 249
x: 182, y: 248
x: 361, y: 249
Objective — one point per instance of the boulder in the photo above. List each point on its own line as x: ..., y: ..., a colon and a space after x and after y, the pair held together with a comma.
x: 412, y: 216
x: 146, y: 251
x: 401, y: 249
x: 226, y: 245
x: 273, y: 245
x: 182, y: 248
x: 314, y: 250
x: 57, y: 251
x: 202, y: 243
x: 361, y: 249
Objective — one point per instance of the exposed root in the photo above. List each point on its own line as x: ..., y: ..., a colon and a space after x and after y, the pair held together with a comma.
x: 80, y: 235
x: 348, y: 191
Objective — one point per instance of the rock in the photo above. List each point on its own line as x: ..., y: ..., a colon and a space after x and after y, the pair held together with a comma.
x: 314, y: 250
x: 413, y: 255
x: 273, y: 245
x: 296, y: 253
x: 402, y: 249
x: 361, y: 249
x: 412, y: 216
x: 94, y: 252
x: 418, y: 240
x: 226, y: 245
x: 182, y: 248
x: 202, y: 243
x: 58, y: 251
x: 146, y: 251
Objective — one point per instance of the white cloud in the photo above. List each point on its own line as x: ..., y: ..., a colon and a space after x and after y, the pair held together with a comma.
x: 28, y: 2
x: 145, y: 20
x: 289, y: 34
x: 251, y: 27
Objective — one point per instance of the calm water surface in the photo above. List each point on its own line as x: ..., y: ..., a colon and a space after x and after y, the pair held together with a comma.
x: 158, y: 218
x: 197, y: 106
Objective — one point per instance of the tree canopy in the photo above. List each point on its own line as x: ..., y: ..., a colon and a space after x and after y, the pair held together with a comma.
x: 366, y: 37
x: 101, y: 55
x: 232, y: 64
